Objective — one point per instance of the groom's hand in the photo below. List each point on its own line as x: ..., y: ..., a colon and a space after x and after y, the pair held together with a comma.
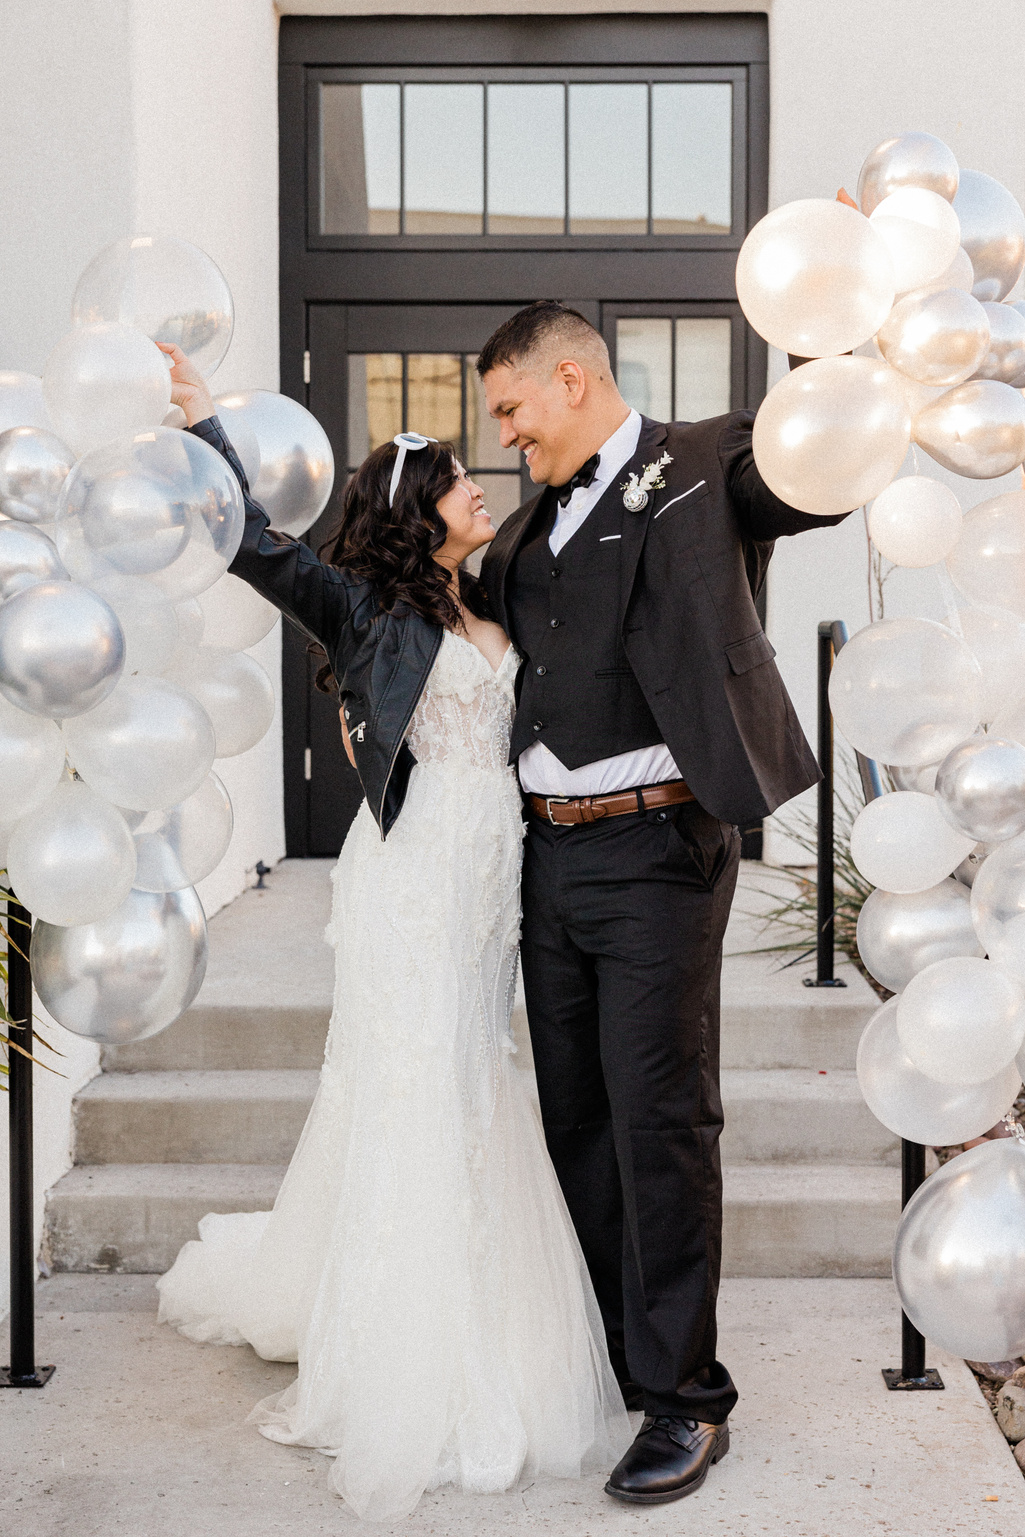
x: 188, y: 387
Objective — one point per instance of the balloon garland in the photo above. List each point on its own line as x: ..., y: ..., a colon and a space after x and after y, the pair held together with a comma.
x: 916, y: 282
x: 124, y: 672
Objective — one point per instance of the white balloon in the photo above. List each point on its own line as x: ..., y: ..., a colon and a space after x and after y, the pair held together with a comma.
x: 105, y: 381
x: 899, y: 935
x: 235, y: 615
x: 903, y: 843
x: 906, y: 691
x: 998, y: 905
x: 960, y: 274
x: 71, y: 859
x: 180, y: 846
x: 236, y: 694
x: 921, y: 232
x: 148, y: 746
x: 962, y: 1020
x: 997, y: 640
x: 31, y: 760
x: 915, y: 521
x: 988, y: 560
x: 149, y: 622
x: 191, y: 620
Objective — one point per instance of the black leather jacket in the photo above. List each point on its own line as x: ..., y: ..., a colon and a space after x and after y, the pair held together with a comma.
x: 381, y: 661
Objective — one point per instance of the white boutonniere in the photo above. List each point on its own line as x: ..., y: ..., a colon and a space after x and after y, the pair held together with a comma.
x: 635, y: 497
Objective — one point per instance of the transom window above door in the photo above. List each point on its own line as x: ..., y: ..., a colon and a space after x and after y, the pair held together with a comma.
x: 627, y: 155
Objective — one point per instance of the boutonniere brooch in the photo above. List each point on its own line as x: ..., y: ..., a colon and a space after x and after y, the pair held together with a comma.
x: 635, y: 497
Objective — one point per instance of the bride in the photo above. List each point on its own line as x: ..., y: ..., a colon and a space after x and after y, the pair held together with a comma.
x: 419, y: 1262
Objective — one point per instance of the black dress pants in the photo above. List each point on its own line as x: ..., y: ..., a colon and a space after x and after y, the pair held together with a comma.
x: 623, y: 924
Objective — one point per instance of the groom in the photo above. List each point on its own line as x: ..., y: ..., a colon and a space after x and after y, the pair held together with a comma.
x: 650, y: 721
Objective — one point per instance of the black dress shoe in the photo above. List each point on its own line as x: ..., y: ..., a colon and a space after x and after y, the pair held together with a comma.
x: 633, y: 1395
x: 669, y: 1458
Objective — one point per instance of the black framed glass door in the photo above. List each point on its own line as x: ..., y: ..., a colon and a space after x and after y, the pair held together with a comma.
x: 439, y: 173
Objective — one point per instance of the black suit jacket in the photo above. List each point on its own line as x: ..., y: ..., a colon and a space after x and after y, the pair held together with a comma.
x: 694, y: 560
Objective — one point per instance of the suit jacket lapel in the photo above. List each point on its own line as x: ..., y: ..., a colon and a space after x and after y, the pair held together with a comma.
x: 636, y: 524
x: 499, y: 559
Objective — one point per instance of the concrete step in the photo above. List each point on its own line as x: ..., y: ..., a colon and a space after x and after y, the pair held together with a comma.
x: 192, y: 1117
x: 830, y: 1220
x: 815, y: 1220
x: 135, y: 1217
x: 796, y: 1116
x: 222, y: 1037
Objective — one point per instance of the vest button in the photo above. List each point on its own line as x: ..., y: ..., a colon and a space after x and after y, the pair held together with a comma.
x: 541, y: 671
x: 556, y: 570
x: 556, y: 623
x: 539, y: 725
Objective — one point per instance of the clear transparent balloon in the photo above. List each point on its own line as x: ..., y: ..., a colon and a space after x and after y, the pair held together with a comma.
x: 1005, y: 355
x: 962, y: 1020
x: 936, y: 338
x: 181, y: 845
x: 917, y: 1108
x: 71, y: 859
x: 997, y: 640
x: 980, y: 788
x: 105, y: 381
x: 907, y: 160
x: 31, y: 761
x: 34, y: 465
x: 959, y: 1254
x: 975, y: 429
x: 902, y: 843
x: 166, y: 288
x: 832, y: 434
x: 992, y: 233
x: 62, y: 649
x: 998, y: 905
x: 129, y: 976
x: 900, y: 934
x: 921, y: 232
x: 162, y: 504
x: 27, y: 557
x: 148, y: 746
x: 988, y: 561
x: 814, y: 278
x: 906, y: 691
x: 235, y: 615
x: 915, y: 521
x: 297, y: 467
x: 148, y: 620
x: 236, y: 694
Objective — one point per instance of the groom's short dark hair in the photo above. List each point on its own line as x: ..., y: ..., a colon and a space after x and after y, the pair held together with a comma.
x: 543, y: 326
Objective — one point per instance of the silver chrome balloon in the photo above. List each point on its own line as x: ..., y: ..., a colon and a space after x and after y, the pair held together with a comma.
x: 911, y: 1105
x: 128, y: 976
x: 180, y: 846
x: 1005, y: 356
x: 62, y: 649
x: 297, y: 467
x: 899, y: 936
x: 27, y: 557
x: 34, y: 464
x: 959, y: 1254
x: 980, y: 787
x: 998, y: 905
x: 935, y: 338
x: 909, y: 160
x: 992, y: 232
x: 976, y: 429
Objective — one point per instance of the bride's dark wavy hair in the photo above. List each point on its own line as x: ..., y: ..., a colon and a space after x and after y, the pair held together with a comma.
x: 393, y: 548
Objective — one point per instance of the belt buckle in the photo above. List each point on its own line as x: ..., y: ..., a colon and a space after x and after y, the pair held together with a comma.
x: 555, y: 800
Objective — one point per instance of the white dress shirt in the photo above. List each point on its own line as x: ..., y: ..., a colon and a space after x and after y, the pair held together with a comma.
x: 541, y: 772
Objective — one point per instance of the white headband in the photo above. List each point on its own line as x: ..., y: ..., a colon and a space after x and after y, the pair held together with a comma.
x: 407, y: 443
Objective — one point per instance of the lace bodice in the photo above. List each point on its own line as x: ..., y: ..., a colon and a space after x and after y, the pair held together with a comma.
x: 465, y: 711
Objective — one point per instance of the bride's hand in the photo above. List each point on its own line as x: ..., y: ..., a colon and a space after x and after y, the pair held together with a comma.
x: 188, y: 387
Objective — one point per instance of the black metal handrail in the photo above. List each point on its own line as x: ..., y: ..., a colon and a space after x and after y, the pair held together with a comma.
x: 912, y: 1375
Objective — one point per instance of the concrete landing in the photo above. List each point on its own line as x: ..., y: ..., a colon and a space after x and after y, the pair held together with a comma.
x: 142, y: 1433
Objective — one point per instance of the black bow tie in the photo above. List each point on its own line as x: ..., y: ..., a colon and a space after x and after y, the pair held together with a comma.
x: 583, y: 477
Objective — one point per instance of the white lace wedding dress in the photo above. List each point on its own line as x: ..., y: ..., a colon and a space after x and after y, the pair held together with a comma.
x: 419, y: 1262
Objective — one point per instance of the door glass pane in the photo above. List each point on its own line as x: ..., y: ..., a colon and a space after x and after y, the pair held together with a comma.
x: 608, y: 159
x: 359, y: 159
x: 526, y: 159
x: 702, y: 369
x: 375, y: 401
x: 691, y: 158
x: 644, y: 366
x: 483, y: 449
x: 443, y: 141
x: 435, y: 396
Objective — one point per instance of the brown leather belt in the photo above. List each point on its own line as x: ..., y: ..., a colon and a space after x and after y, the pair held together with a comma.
x: 563, y: 811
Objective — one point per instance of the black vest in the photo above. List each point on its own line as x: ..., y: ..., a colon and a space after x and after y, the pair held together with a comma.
x: 578, y: 693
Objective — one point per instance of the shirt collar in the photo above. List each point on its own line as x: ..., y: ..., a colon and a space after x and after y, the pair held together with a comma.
x: 619, y: 448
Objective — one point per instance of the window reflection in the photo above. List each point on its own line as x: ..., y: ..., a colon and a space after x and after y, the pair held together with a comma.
x: 691, y: 158
x: 702, y: 368
x: 675, y: 370
x: 443, y: 146
x: 526, y: 159
x: 375, y: 401
x: 483, y: 448
x: 644, y: 366
x: 608, y: 159
x: 434, y: 396
x: 359, y: 193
